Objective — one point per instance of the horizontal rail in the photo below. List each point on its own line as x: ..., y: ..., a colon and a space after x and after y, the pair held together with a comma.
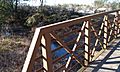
x: 67, y: 23
x: 57, y: 50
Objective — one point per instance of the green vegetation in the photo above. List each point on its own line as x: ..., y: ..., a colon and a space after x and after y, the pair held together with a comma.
x: 13, y: 15
x: 17, y: 22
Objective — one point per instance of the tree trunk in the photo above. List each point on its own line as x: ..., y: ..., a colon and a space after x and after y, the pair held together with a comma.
x: 16, y: 4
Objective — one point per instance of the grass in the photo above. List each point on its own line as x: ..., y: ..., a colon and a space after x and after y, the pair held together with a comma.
x: 13, y: 51
x: 9, y: 44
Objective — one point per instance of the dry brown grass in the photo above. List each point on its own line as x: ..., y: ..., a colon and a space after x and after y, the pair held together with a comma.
x: 13, y: 51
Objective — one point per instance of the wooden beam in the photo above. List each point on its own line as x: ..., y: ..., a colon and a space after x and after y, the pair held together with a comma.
x: 116, y: 24
x: 87, y: 44
x: 105, y: 31
x: 70, y: 22
x: 28, y: 65
x: 97, y: 40
x: 75, y: 45
x: 46, y: 53
x: 66, y: 48
x: 111, y: 31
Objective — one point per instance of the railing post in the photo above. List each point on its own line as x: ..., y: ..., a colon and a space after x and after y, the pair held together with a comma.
x: 87, y: 44
x: 105, y: 32
x: 35, y: 44
x: 46, y: 53
x: 116, y: 24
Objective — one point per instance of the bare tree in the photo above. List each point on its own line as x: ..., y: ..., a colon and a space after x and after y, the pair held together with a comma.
x: 99, y: 3
x: 41, y: 1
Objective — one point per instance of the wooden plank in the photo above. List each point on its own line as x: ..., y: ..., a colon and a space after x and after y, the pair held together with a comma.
x: 98, y: 54
x: 103, y: 62
x: 72, y: 67
x: 63, y: 66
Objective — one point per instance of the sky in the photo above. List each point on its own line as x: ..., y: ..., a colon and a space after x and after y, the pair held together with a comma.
x: 53, y: 2
x: 88, y: 2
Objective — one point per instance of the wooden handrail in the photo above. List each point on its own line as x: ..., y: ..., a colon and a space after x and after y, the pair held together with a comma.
x: 88, y: 43
x: 66, y: 23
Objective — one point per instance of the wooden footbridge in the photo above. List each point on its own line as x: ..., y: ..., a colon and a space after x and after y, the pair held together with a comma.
x: 89, y: 44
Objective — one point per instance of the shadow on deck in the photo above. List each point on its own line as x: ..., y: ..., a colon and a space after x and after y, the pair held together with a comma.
x: 108, y: 61
x: 82, y: 39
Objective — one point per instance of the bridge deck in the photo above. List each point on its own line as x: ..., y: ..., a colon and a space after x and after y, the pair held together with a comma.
x: 82, y: 39
x: 108, y: 61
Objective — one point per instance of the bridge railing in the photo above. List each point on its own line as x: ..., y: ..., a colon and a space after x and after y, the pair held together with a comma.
x: 71, y: 45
